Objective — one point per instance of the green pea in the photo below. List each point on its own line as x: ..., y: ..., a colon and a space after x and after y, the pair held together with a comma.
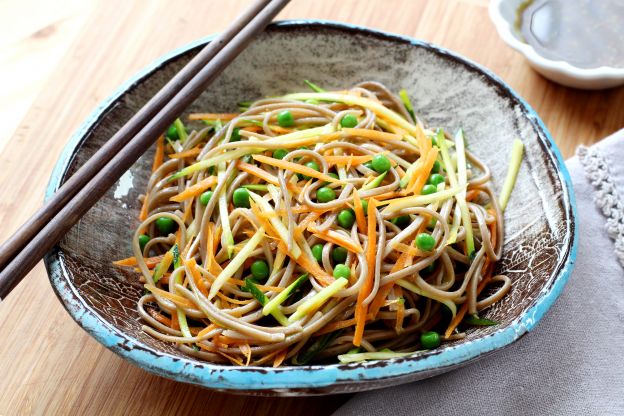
x: 369, y: 165
x: 341, y: 271
x: 346, y: 218
x: 365, y: 206
x: 165, y: 225
x: 240, y: 198
x: 429, y: 189
x: 339, y: 254
x: 432, y: 224
x: 143, y: 240
x: 436, y: 179
x: 325, y: 194
x: 235, y: 135
x: 381, y: 164
x: 430, y: 340
x: 285, y: 119
x: 425, y: 242
x: 172, y: 133
x: 349, y: 121
x: 280, y: 153
x: 317, y: 252
x: 205, y: 197
x: 402, y: 221
x: 312, y: 165
x: 429, y: 269
x: 436, y: 167
x: 260, y: 269
x: 333, y: 175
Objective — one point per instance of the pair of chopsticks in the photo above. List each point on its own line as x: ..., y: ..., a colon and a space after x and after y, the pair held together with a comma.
x: 22, y: 251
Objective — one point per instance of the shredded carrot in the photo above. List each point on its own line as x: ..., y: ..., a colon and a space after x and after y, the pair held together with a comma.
x: 280, y: 130
x: 303, y: 224
x: 380, y: 298
x: 193, y: 191
x: 187, y: 153
x: 160, y: 318
x: 359, y: 212
x: 177, y: 299
x: 143, y: 213
x: 312, y: 267
x: 196, y: 275
x: 417, y: 181
x: 234, y: 301
x: 404, y: 248
x: 212, y: 116
x: 470, y: 195
x: 206, y: 330
x: 265, y: 176
x: 132, y: 261
x: 351, y: 160
x: 252, y: 128
x: 159, y: 155
x: 279, y: 358
x: 295, y: 167
x: 336, y: 238
x: 360, y: 308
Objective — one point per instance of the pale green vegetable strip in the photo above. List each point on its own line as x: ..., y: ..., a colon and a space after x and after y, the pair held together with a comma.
x: 261, y: 297
x: 375, y: 107
x: 446, y: 158
x: 213, y: 161
x: 317, y: 300
x: 413, y: 288
x: 274, y: 303
x: 313, y: 86
x: 407, y: 103
x: 275, y: 222
x: 227, y: 239
x: 408, y: 173
x: 184, y: 328
x: 237, y: 262
x: 461, y: 197
x: 375, y: 182
x: 162, y: 267
x: 454, y: 229
x: 181, y: 130
x: 420, y: 200
x: 512, y: 173
x: 287, y: 140
x: 363, y: 356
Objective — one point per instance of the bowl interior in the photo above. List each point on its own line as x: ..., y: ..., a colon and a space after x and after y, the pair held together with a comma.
x: 446, y: 90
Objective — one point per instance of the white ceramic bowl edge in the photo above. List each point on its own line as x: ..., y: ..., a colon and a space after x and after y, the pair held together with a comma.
x: 503, y: 15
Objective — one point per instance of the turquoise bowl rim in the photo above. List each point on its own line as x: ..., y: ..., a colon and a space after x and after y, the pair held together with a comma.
x: 314, y: 379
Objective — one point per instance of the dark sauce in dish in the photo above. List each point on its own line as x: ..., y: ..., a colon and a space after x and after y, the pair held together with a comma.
x: 584, y: 33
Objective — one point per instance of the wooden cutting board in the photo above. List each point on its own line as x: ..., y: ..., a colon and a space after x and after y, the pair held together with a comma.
x: 85, y: 49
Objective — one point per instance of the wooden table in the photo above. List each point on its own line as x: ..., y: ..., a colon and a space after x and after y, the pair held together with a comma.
x: 60, y: 58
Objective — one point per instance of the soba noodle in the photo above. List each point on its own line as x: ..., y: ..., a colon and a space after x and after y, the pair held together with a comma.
x: 315, y: 226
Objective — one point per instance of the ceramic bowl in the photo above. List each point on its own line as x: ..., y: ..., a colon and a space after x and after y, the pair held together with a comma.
x: 447, y: 91
x: 504, y: 13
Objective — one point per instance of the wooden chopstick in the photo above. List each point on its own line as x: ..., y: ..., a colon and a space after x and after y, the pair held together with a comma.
x: 40, y: 233
x: 27, y: 231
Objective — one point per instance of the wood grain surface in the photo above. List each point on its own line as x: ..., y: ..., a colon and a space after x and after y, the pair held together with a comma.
x: 60, y: 58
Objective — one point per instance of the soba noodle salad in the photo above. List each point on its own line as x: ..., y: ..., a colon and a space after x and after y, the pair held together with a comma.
x: 317, y: 227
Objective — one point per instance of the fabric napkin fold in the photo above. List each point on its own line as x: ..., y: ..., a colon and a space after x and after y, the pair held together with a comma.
x: 572, y: 363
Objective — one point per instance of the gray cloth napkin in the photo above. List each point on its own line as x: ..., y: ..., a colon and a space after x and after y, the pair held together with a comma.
x: 572, y: 363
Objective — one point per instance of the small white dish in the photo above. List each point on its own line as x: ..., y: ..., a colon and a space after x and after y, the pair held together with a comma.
x: 503, y: 13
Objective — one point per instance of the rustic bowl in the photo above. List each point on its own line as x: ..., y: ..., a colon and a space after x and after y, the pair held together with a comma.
x: 447, y: 90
